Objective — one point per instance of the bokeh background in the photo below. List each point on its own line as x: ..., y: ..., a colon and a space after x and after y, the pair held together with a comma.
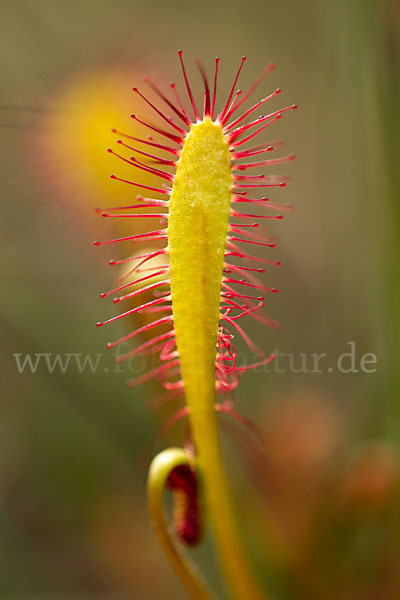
x: 320, y: 512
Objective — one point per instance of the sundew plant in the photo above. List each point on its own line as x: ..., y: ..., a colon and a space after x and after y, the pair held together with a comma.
x: 207, y: 205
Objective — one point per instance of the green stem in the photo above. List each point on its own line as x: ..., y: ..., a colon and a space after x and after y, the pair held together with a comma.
x: 210, y: 464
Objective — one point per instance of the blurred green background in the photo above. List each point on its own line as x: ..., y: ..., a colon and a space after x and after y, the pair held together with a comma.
x: 320, y: 514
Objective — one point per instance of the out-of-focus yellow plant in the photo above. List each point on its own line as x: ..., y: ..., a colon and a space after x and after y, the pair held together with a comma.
x: 80, y: 125
x: 78, y: 131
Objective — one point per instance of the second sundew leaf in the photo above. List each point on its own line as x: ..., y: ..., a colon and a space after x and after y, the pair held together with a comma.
x: 197, y: 231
